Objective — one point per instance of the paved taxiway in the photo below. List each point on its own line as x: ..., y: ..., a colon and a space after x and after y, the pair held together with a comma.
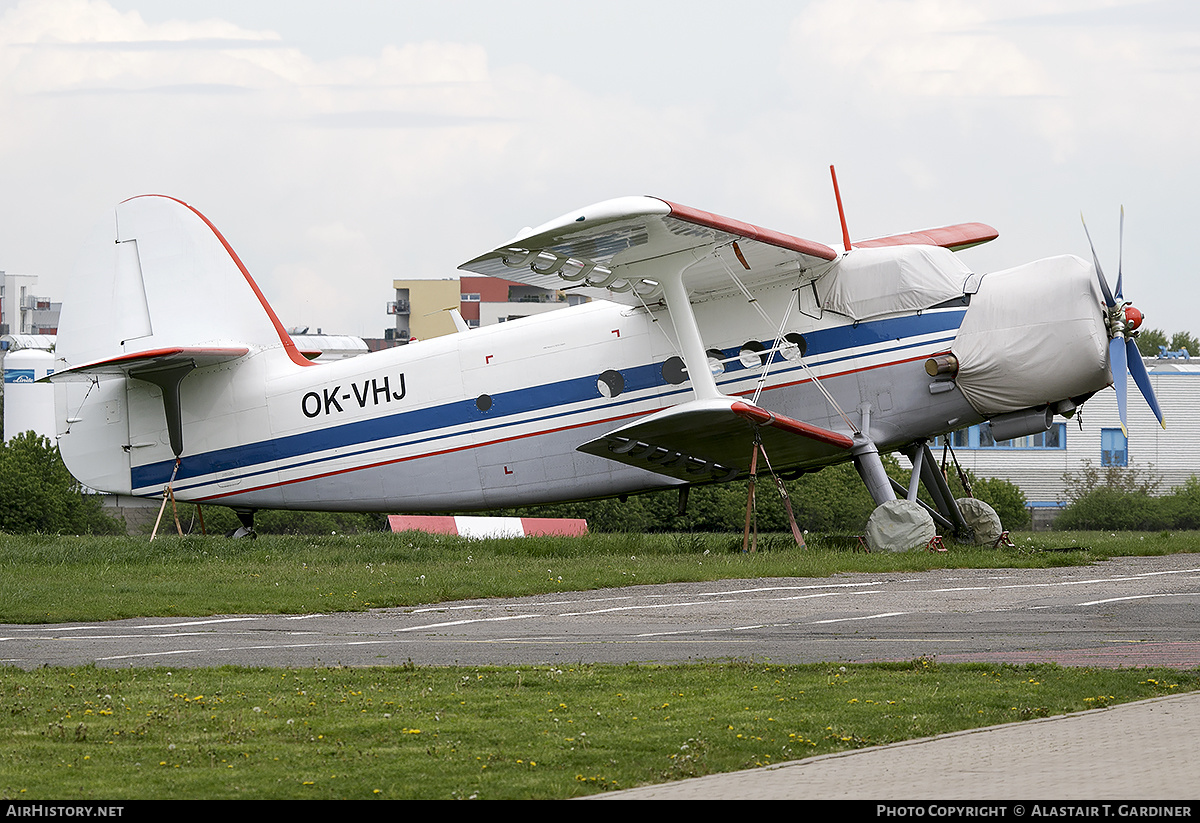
x: 1125, y: 612
x: 1130, y: 611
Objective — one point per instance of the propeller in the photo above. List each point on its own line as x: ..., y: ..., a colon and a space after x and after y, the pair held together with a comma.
x: 1123, y: 322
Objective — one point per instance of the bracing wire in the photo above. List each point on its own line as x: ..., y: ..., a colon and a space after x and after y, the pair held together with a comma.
x: 762, y: 380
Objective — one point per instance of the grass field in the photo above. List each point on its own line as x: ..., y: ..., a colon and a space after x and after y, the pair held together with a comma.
x: 51, y: 579
x: 491, y: 733
x: 484, y: 732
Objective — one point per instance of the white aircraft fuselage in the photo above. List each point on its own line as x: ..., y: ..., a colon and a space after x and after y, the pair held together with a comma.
x: 175, y: 372
x: 492, y: 417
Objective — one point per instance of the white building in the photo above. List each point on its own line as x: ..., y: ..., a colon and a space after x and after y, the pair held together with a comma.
x: 326, y: 347
x: 22, y: 311
x: 1036, y: 463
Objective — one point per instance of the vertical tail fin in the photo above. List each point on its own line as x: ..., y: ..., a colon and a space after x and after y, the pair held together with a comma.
x: 157, y: 294
x: 156, y: 277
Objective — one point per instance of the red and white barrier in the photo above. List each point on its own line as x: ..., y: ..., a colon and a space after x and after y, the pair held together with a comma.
x: 480, y: 527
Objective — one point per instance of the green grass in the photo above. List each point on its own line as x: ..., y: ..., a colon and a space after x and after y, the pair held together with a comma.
x: 50, y: 579
x: 490, y: 733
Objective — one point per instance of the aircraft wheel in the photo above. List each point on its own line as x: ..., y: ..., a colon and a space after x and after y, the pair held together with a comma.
x: 899, y: 525
x: 243, y: 532
x: 982, y: 521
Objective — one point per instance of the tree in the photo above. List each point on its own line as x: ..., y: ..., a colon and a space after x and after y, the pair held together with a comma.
x: 40, y: 495
x: 1183, y: 340
x: 1149, y: 342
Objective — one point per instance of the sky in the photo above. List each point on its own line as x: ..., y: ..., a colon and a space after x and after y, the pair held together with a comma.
x: 341, y: 145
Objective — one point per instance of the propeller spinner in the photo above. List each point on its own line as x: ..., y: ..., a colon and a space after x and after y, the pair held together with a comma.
x: 1123, y: 321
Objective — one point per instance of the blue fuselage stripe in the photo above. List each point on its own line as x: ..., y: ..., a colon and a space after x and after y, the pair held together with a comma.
x: 262, y: 457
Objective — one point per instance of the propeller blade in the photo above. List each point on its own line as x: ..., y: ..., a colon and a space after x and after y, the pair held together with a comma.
x: 1108, y: 297
x: 1117, y: 364
x: 1120, y: 252
x: 1142, y: 378
x: 1123, y: 354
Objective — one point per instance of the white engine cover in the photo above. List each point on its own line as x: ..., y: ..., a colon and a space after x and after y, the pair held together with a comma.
x: 1033, y: 334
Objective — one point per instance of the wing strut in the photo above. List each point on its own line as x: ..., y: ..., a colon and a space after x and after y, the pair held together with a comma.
x: 679, y: 306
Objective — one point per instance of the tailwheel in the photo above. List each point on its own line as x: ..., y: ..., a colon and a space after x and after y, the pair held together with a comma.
x: 246, y: 530
x: 899, y: 525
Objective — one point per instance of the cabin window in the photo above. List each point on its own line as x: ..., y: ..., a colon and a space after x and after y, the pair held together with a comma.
x: 610, y: 383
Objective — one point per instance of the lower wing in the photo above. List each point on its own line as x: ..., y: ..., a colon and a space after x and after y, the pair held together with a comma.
x: 707, y: 440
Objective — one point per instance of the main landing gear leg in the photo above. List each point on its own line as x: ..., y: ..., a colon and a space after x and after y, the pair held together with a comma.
x: 972, y: 521
x: 870, y: 469
x: 896, y: 524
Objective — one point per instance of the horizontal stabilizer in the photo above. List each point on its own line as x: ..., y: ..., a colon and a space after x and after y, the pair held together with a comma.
x: 165, y: 368
x: 155, y: 360
x: 707, y: 440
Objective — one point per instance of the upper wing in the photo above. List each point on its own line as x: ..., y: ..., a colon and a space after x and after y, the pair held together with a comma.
x: 608, y: 246
x: 623, y: 246
x: 956, y: 238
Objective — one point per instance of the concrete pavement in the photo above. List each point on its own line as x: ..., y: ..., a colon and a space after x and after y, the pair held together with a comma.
x: 1148, y: 750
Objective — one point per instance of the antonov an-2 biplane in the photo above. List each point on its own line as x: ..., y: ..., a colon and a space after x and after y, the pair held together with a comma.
x: 714, y: 339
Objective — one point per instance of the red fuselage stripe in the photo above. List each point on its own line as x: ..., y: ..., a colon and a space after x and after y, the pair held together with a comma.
x: 438, y: 453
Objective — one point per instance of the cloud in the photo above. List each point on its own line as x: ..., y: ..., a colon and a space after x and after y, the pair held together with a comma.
x: 1057, y: 71
x: 431, y: 144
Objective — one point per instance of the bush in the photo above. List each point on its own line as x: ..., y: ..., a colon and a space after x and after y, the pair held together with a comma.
x: 831, y: 500
x: 1143, y: 482
x: 222, y: 520
x: 41, y: 496
x: 1111, y: 509
x: 1117, y: 498
x: 1182, y: 506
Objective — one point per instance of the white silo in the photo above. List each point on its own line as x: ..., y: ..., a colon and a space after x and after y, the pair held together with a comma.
x: 28, y: 405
